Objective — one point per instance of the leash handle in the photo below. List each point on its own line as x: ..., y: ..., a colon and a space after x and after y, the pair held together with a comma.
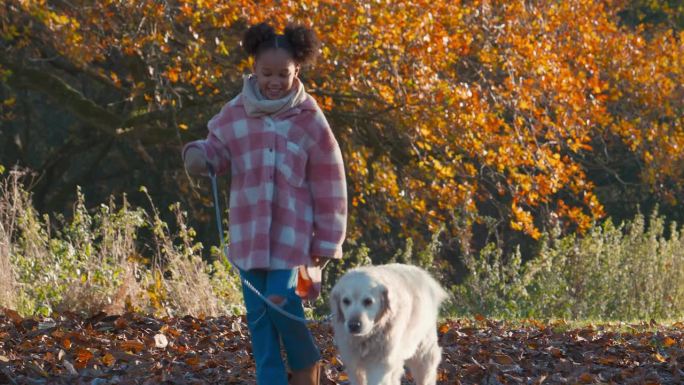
x: 224, y: 247
x: 219, y: 222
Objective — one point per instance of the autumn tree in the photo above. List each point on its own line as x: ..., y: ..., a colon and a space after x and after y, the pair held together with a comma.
x: 450, y: 113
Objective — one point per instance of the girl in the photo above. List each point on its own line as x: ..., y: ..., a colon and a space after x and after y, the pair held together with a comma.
x: 288, y: 195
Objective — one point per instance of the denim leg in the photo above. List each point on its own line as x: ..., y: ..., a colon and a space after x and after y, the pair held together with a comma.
x: 270, y: 369
x: 296, y: 337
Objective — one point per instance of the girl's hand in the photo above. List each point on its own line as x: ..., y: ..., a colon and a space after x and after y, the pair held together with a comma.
x: 319, y: 261
x: 194, y: 161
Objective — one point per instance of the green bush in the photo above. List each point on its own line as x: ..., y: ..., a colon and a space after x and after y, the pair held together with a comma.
x: 493, y: 286
x: 631, y: 271
x: 80, y: 264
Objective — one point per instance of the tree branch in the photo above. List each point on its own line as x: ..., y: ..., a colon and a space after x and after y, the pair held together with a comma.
x: 64, y: 94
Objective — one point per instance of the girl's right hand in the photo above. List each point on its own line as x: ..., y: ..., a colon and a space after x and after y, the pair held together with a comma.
x: 195, y: 162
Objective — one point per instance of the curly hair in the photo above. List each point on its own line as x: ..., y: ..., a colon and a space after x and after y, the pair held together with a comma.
x: 301, y: 42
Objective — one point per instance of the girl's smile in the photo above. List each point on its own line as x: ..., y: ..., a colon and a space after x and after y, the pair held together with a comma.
x: 275, y: 72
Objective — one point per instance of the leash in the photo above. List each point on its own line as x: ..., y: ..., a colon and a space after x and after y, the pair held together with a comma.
x: 224, y: 249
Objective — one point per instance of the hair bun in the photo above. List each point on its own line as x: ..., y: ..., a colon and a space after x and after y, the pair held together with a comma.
x: 256, y: 35
x: 304, y: 42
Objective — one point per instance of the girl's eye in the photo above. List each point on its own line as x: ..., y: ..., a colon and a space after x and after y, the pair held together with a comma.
x: 346, y: 301
x: 367, y: 302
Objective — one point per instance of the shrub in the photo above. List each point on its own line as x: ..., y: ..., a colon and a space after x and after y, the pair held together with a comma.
x: 631, y: 271
x: 95, y: 261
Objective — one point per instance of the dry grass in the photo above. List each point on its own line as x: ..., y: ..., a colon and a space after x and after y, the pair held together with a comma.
x: 94, y: 261
x: 11, y: 202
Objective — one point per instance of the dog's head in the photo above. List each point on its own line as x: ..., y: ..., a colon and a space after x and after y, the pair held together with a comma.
x: 359, y: 303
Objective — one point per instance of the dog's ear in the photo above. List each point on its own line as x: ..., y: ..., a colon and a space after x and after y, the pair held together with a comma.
x: 335, y: 307
x: 384, y: 305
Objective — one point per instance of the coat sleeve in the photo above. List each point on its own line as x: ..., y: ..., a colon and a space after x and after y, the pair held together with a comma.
x: 329, y: 190
x: 212, y: 150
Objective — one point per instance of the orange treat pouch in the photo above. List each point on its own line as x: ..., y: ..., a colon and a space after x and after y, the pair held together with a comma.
x: 309, y: 282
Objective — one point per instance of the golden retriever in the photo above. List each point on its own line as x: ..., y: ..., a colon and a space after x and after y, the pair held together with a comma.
x: 385, y: 317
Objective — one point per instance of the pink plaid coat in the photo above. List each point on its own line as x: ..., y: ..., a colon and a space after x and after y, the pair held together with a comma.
x: 288, y: 194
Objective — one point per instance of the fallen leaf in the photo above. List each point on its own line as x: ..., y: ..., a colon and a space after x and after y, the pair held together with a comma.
x: 120, y: 323
x: 444, y: 328
x: 608, y: 360
x: 13, y: 316
x: 160, y: 341
x: 667, y: 342
x: 555, y: 352
x: 132, y: 346
x: 57, y: 334
x: 108, y: 359
x: 503, y: 359
x: 83, y: 355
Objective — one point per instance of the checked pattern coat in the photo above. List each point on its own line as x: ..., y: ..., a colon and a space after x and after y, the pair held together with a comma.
x: 288, y: 194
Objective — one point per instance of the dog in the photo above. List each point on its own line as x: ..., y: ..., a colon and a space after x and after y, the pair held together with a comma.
x: 385, y: 317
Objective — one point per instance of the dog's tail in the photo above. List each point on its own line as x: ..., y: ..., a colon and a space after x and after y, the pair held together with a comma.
x: 436, y: 290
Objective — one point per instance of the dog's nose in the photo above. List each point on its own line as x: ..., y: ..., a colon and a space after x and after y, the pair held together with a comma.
x: 354, y: 326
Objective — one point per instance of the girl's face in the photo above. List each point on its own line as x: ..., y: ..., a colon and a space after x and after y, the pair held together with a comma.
x: 275, y: 73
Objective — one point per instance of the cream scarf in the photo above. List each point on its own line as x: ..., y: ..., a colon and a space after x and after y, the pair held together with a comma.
x: 256, y: 105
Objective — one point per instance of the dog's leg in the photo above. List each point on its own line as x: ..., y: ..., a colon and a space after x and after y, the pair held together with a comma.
x: 397, y: 375
x: 423, y: 365
x: 352, y: 366
x: 357, y: 377
x: 383, y: 374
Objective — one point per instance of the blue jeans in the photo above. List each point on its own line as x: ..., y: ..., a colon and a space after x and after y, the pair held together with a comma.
x: 268, y: 328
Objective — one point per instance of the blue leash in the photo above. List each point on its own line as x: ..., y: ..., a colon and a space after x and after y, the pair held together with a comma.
x: 224, y: 248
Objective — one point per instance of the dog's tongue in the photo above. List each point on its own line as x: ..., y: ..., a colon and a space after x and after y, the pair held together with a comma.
x: 309, y: 282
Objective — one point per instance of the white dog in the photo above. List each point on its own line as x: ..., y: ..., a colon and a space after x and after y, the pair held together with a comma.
x: 385, y: 317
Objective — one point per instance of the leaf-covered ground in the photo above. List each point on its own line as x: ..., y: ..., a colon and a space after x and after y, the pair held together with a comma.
x: 134, y: 349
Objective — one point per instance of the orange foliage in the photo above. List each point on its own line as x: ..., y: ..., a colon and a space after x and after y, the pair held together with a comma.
x: 440, y: 105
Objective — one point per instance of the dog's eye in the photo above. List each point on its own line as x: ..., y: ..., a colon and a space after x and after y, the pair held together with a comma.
x: 346, y: 301
x: 367, y: 302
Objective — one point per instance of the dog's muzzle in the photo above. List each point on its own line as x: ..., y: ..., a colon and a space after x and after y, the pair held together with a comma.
x: 354, y: 326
